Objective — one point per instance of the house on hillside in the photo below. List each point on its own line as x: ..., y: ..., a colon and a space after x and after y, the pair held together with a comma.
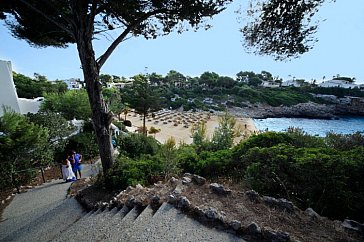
x: 291, y: 83
x: 270, y: 84
x: 9, y: 97
x: 119, y: 85
x: 338, y: 83
x: 116, y: 85
x: 73, y: 83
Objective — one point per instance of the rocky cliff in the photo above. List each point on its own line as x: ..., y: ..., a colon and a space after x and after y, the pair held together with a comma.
x: 336, y: 107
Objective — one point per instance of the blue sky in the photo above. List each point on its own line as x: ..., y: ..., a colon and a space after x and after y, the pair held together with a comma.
x: 340, y: 50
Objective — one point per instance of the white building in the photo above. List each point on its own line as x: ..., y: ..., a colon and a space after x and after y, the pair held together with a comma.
x: 73, y: 84
x: 291, y: 83
x: 9, y: 97
x: 118, y: 85
x: 338, y: 83
x: 271, y: 84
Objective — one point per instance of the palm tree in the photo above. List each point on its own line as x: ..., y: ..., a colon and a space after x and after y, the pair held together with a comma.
x: 126, y: 111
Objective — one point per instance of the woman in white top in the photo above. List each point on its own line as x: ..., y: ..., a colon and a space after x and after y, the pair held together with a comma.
x: 67, y: 172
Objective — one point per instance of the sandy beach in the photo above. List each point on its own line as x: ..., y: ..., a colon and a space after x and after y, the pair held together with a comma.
x: 178, y: 125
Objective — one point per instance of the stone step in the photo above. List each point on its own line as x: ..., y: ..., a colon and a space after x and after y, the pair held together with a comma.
x: 170, y: 224
x: 117, y: 232
x: 50, y: 224
x: 110, y: 225
x: 80, y: 228
x: 97, y: 225
x: 139, y: 223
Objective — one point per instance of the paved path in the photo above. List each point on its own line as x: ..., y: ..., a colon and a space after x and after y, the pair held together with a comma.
x: 31, y: 205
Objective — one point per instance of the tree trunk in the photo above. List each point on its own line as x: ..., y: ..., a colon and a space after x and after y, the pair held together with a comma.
x: 101, y: 117
x: 144, y: 128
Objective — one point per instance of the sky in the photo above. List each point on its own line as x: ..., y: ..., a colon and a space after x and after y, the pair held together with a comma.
x: 339, y: 50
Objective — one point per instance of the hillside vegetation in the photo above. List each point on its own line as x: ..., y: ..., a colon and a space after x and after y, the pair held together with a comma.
x: 322, y: 173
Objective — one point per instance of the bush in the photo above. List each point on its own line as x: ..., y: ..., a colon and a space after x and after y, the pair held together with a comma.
x: 135, y: 145
x: 344, y: 141
x: 23, y: 146
x: 188, y: 158
x: 84, y: 143
x: 127, y: 172
x: 327, y: 180
x: 267, y: 139
x: 214, y: 164
x: 300, y: 139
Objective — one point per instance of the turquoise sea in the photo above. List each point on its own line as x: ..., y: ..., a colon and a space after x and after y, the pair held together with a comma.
x: 342, y: 125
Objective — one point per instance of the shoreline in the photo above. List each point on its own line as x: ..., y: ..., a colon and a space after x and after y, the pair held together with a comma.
x: 178, y: 125
x: 302, y: 110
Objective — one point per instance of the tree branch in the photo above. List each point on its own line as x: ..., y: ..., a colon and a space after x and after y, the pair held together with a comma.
x: 102, y: 59
x: 68, y: 20
x: 46, y: 17
x: 93, y: 12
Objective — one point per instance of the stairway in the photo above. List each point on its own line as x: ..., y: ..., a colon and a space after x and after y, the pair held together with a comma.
x: 45, y: 214
x: 68, y: 222
x: 141, y: 224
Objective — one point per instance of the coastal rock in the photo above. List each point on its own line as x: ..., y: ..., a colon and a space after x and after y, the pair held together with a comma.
x: 307, y: 110
x: 301, y: 110
x: 339, y: 106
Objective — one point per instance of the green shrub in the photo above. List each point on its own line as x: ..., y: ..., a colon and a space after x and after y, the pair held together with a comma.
x: 329, y: 181
x: 344, y: 141
x: 188, y: 158
x: 300, y: 139
x: 167, y: 155
x: 214, y: 164
x: 23, y: 146
x: 135, y: 145
x: 127, y: 172
x: 84, y: 143
x: 267, y: 139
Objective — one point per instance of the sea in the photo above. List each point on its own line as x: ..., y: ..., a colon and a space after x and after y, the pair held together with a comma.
x: 318, y: 127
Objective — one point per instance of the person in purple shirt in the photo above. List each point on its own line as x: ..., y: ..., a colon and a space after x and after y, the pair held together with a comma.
x: 76, y: 159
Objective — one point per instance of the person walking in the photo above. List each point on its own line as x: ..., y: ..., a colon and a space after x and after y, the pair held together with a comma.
x: 76, y: 160
x: 67, y: 173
